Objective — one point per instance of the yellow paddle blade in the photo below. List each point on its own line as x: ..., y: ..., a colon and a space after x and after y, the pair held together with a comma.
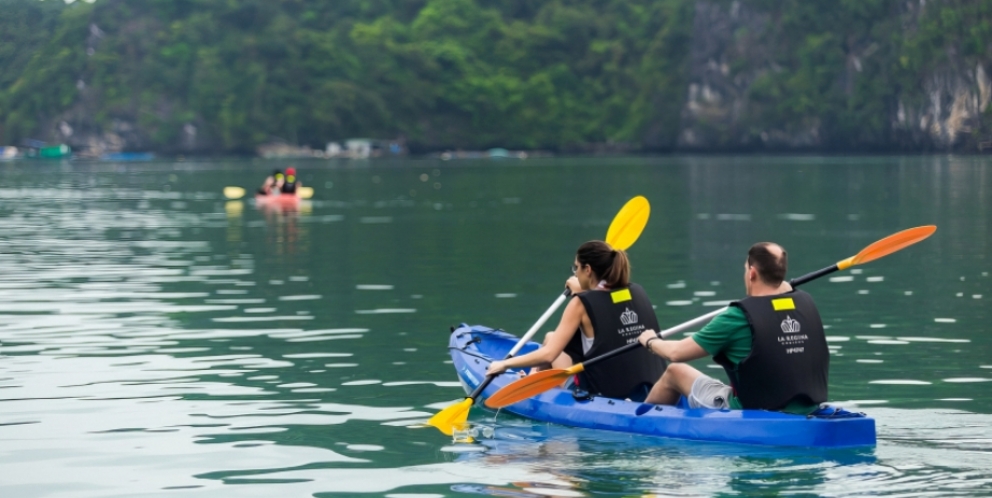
x: 305, y: 192
x: 629, y: 223
x: 234, y: 192
x: 528, y: 386
x: 234, y: 208
x: 888, y: 245
x: 452, y: 417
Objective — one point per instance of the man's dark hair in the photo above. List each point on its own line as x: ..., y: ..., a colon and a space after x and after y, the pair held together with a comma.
x: 771, y: 269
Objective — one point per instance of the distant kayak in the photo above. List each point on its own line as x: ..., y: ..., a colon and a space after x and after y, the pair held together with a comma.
x: 472, y: 348
x: 283, y: 201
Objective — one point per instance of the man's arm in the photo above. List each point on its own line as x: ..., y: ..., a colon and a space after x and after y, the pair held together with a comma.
x: 678, y: 351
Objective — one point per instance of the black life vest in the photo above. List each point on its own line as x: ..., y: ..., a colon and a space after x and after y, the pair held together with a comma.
x: 289, y: 185
x: 789, y: 359
x: 618, y: 317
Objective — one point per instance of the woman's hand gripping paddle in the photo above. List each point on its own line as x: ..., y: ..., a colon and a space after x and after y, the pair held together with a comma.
x: 545, y: 380
x: 623, y: 232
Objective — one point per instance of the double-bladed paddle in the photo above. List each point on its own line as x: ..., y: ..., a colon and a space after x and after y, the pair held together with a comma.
x: 238, y: 192
x: 623, y: 232
x: 544, y: 380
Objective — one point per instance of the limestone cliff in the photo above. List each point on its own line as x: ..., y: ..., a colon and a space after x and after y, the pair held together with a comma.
x: 747, y: 64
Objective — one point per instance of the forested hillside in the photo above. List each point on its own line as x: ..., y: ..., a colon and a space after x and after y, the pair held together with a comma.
x: 219, y: 76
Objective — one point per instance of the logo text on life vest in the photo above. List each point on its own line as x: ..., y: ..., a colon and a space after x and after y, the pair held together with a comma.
x: 620, y: 296
x: 789, y: 325
x: 783, y: 304
x: 628, y: 317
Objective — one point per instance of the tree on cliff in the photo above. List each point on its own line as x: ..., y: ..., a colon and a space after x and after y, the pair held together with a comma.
x: 561, y: 74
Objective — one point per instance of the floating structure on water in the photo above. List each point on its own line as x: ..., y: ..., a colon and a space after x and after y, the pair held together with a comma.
x: 353, y: 148
x: 36, y: 149
x: 494, y: 153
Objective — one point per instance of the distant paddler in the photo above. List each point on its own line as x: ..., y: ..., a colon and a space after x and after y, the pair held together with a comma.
x: 273, y: 183
x: 290, y: 183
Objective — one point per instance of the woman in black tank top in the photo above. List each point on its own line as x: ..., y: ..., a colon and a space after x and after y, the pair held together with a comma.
x: 597, y: 267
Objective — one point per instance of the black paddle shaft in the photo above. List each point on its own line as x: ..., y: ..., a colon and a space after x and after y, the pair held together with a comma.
x: 812, y: 276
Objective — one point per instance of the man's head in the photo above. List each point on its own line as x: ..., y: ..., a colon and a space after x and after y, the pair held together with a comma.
x: 765, y: 266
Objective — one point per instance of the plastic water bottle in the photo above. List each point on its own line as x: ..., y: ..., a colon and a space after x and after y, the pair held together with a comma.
x: 471, y: 434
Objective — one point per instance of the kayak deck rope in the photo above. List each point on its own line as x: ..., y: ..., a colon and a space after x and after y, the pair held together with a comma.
x: 476, y: 355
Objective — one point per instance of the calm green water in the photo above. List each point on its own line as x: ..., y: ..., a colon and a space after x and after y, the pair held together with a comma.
x: 156, y: 340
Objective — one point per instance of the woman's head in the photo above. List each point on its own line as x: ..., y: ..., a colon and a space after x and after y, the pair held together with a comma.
x: 605, y: 263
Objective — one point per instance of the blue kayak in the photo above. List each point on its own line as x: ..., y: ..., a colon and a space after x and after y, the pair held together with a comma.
x: 474, y: 347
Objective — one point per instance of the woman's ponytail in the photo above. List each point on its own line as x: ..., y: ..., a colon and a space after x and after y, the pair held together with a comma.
x: 609, y: 264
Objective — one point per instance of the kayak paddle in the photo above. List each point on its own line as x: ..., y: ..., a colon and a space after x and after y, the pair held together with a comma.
x: 238, y: 192
x: 544, y: 380
x: 623, y: 232
x: 234, y: 192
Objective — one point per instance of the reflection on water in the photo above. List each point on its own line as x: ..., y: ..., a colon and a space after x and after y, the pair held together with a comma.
x: 155, y: 337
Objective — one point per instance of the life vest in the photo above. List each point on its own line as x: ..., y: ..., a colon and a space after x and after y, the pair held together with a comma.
x: 789, y: 358
x: 618, y: 317
x: 289, y: 185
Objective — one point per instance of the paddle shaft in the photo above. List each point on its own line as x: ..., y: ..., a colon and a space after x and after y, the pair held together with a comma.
x: 523, y: 340
x: 703, y: 319
x: 695, y: 322
x: 813, y: 276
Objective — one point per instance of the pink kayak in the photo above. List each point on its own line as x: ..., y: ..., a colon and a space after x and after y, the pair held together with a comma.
x: 278, y: 201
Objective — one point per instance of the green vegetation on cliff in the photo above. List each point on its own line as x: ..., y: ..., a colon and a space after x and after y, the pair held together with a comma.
x: 226, y: 76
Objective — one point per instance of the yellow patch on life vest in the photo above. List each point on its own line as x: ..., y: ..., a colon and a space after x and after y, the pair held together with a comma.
x: 620, y: 296
x: 783, y: 304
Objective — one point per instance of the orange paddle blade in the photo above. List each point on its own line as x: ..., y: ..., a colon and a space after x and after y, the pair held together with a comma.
x: 629, y: 223
x: 888, y: 245
x: 531, y: 385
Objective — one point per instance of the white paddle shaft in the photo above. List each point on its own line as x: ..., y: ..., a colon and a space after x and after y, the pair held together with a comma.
x: 695, y: 322
x: 540, y: 323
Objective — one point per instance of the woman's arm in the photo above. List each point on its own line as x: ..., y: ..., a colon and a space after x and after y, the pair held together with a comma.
x: 547, y: 353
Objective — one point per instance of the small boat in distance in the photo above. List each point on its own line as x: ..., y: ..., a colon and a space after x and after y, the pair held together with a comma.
x: 128, y: 156
x: 37, y: 149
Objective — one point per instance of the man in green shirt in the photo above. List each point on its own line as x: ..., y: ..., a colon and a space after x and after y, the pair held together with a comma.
x: 793, y: 361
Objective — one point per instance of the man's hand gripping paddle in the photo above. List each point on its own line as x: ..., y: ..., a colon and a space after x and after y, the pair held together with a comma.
x: 545, y: 380
x: 623, y: 232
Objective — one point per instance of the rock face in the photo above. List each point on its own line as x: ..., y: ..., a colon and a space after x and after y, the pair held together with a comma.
x: 737, y: 75
x: 715, y: 114
x: 735, y: 45
x: 952, y: 110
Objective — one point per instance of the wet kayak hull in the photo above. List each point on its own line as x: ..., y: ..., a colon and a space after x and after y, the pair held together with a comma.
x: 473, y: 347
